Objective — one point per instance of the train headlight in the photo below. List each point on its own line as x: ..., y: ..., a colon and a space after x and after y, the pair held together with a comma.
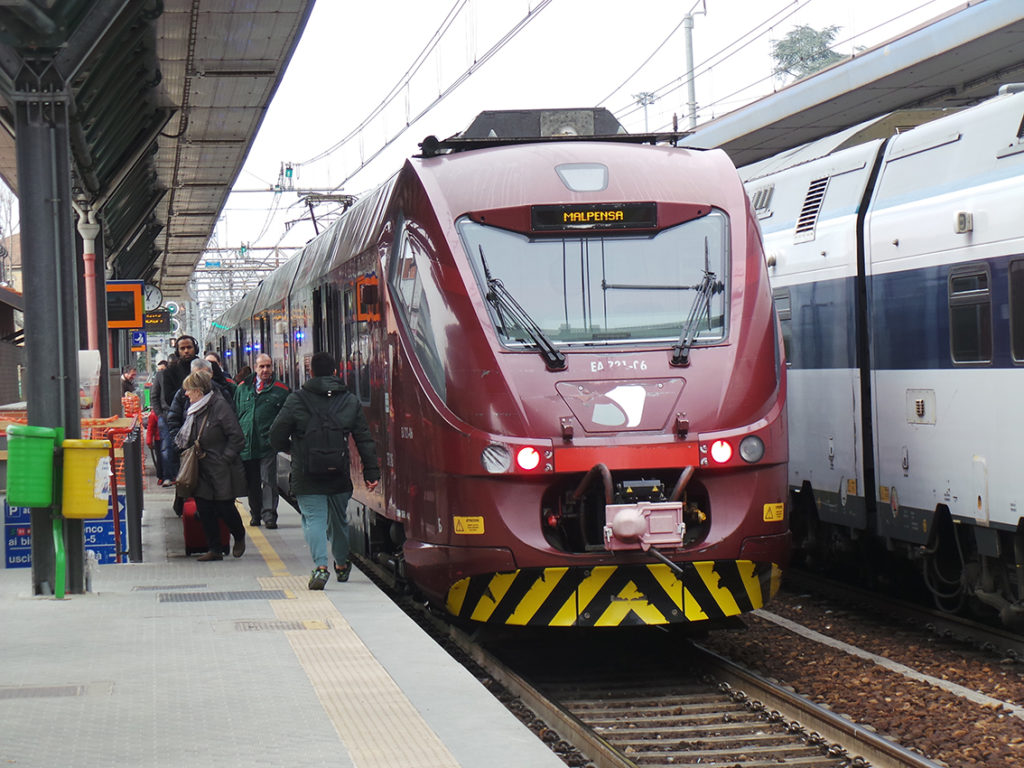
x: 751, y: 449
x: 528, y: 458
x: 496, y: 458
x: 721, y: 451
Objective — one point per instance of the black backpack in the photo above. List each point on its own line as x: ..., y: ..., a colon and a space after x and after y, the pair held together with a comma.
x: 325, y: 439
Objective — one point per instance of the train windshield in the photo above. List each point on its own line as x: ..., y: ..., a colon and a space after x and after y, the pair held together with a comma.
x: 603, y: 288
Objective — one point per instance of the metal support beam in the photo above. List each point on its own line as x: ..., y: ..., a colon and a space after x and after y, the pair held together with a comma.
x: 49, y: 273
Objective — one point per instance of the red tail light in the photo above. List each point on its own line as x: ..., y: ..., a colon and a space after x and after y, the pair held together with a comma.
x: 527, y: 458
x: 721, y: 451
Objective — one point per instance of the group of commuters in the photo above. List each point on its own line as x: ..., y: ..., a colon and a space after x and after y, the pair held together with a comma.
x: 240, y: 427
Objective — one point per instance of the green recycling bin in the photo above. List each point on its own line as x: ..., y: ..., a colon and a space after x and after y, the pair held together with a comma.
x: 30, y: 465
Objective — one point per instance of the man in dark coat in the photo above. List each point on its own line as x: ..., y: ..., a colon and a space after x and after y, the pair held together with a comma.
x: 323, y: 499
x: 170, y: 382
x: 258, y: 400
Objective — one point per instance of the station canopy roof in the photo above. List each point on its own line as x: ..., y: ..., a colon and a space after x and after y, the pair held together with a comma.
x: 957, y: 59
x: 166, y: 97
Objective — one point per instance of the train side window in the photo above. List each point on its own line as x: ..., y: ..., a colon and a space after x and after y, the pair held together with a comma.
x: 350, y: 354
x: 333, y: 315
x: 410, y: 263
x: 784, y: 309
x: 319, y: 329
x: 970, y: 315
x: 1017, y: 311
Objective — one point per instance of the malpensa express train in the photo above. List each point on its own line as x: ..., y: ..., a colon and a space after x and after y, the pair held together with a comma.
x: 567, y: 353
x: 897, y: 261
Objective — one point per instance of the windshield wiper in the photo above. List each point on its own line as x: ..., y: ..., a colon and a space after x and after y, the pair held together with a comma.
x: 504, y: 303
x: 708, y: 286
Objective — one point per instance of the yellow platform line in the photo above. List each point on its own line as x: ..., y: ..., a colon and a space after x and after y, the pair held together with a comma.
x: 372, y: 716
x: 267, y: 552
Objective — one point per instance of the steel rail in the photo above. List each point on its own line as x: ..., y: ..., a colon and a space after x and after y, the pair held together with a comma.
x: 857, y: 740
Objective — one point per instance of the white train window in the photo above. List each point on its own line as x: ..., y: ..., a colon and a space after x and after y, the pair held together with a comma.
x: 970, y: 315
x: 784, y: 310
x: 1017, y: 311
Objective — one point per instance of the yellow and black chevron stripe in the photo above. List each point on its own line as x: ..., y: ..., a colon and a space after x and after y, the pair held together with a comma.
x: 615, y: 595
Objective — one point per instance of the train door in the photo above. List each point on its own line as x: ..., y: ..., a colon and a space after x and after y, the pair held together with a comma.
x: 327, y: 329
x: 348, y: 356
x: 367, y: 318
x: 332, y: 316
x: 319, y: 326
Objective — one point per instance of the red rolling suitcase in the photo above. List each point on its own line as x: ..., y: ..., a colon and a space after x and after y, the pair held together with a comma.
x: 195, y: 539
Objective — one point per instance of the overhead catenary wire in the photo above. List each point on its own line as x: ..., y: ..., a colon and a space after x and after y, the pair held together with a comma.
x: 653, y: 53
x: 723, y: 54
x: 459, y: 6
x: 494, y: 49
x: 850, y: 39
x: 399, y: 87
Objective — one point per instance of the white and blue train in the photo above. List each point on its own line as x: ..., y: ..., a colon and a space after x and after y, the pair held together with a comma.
x: 896, y: 255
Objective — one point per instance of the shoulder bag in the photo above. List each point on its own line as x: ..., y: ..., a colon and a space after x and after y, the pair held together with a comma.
x: 188, y: 470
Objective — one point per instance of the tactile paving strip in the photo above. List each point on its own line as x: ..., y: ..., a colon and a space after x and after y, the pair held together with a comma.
x: 202, y: 597
x: 40, y: 691
x: 371, y: 714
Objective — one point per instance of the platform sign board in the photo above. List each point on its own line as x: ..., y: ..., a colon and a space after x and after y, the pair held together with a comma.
x: 138, y: 341
x: 98, y: 535
x: 17, y: 537
x: 124, y: 304
x: 157, y: 321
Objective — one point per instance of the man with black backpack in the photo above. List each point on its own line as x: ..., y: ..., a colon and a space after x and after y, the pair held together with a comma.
x: 314, y: 425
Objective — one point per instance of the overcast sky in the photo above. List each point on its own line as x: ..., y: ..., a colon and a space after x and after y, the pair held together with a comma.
x: 571, y: 53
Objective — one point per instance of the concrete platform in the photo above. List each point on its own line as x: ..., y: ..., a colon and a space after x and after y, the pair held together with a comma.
x: 173, y: 662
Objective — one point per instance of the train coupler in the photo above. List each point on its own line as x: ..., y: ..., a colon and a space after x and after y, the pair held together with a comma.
x: 643, y: 525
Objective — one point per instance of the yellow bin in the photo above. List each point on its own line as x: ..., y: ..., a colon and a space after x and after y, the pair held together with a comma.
x: 86, y: 478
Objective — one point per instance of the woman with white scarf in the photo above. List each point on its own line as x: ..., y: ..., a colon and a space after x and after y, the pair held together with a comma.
x: 221, y: 476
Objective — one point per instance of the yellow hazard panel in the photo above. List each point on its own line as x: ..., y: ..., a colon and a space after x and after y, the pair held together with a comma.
x: 774, y: 513
x: 615, y: 595
x: 469, y: 526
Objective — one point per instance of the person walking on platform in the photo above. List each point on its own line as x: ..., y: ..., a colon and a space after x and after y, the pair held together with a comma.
x: 258, y: 400
x: 212, y: 421
x: 314, y: 425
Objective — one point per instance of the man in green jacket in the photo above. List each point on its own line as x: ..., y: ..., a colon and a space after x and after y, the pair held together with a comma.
x: 258, y: 400
x: 323, y: 493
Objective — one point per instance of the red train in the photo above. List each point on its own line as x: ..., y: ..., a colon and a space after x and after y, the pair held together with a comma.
x: 565, y: 343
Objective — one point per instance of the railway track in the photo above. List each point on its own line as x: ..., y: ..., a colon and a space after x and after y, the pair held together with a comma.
x: 986, y: 637
x: 624, y: 699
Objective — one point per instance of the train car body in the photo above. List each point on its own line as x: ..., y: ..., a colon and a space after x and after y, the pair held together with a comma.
x: 898, y: 271
x: 568, y: 356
